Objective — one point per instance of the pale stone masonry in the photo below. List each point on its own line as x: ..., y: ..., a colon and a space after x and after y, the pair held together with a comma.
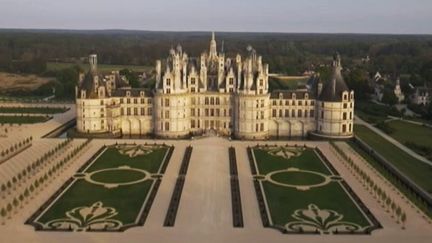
x: 226, y: 95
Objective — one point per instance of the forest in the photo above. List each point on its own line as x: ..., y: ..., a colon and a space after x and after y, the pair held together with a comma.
x: 29, y: 51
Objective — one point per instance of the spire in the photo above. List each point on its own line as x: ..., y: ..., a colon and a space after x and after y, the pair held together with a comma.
x: 213, y: 51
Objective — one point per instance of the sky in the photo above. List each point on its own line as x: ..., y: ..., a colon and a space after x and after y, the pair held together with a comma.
x: 306, y: 16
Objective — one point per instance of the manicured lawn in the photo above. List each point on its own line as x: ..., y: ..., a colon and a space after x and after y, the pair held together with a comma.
x: 127, y: 200
x: 416, y: 137
x: 38, y: 110
x: 284, y: 201
x: 374, y: 113
x: 23, y: 119
x: 418, y: 171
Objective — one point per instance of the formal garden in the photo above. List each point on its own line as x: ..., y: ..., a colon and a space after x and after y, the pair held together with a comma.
x: 112, y: 191
x: 299, y: 191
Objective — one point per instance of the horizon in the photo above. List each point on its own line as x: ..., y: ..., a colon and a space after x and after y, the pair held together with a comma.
x: 279, y: 16
x: 209, y: 31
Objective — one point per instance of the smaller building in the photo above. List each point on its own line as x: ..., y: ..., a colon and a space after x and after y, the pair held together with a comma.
x: 421, y: 95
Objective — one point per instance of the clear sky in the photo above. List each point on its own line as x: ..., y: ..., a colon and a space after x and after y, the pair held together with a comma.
x: 334, y: 16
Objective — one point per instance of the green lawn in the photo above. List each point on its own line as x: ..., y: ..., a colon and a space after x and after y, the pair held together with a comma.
x: 374, y: 113
x: 127, y: 200
x: 23, y: 119
x: 52, y: 66
x: 284, y: 84
x: 418, y: 171
x: 284, y: 201
x: 416, y: 137
x: 33, y: 110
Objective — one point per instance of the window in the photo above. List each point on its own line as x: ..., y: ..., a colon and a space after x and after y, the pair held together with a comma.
x: 128, y: 100
x: 262, y: 127
x: 274, y: 113
x: 135, y: 111
x: 343, y: 128
x: 167, y: 114
x: 166, y: 126
x: 142, y: 111
x: 122, y: 111
x: 286, y: 113
x: 142, y: 101
x: 280, y: 113
x: 168, y: 91
x: 149, y: 111
x: 311, y: 113
x: 217, y: 101
x: 192, y: 112
x: 167, y: 103
x: 299, y: 113
x: 231, y: 81
x: 344, y: 116
x: 192, y: 81
x: 293, y: 113
x: 128, y: 111
x: 350, y: 115
x: 211, y: 101
x: 135, y: 101
x: 168, y: 82
x: 345, y: 105
x: 193, y: 90
x: 206, y: 101
x: 101, y: 102
x: 322, y: 114
x: 192, y: 123
x: 300, y: 102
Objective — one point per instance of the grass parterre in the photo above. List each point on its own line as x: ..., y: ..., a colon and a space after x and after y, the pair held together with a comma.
x: 303, y: 195
x: 112, y: 193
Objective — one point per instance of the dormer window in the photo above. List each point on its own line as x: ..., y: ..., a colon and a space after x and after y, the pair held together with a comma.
x: 142, y: 93
x: 128, y: 94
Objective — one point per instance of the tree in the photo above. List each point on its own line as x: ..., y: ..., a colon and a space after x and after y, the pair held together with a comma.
x: 3, y: 214
x: 21, y: 199
x: 15, y: 203
x: 3, y: 190
x: 9, y: 209
x: 389, y: 97
x: 403, y: 219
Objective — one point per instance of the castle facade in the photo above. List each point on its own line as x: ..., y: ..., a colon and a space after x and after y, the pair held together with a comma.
x: 225, y: 95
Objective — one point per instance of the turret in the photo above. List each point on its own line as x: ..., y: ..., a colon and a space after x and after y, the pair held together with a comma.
x: 93, y: 62
x: 213, y: 50
x: 158, y: 73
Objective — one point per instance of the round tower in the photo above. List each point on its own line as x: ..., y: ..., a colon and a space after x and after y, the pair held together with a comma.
x: 335, y: 107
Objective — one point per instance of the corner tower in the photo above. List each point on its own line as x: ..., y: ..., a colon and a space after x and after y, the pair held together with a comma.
x: 335, y: 106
